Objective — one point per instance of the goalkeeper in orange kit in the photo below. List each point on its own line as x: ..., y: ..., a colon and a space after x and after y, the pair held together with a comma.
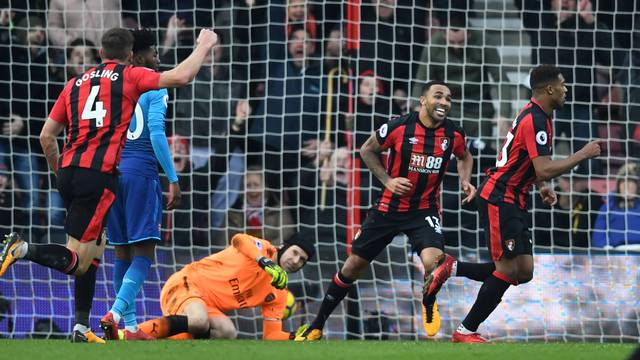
x: 249, y: 273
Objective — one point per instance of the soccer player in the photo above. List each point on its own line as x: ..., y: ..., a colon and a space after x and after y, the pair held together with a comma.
x: 420, y: 146
x: 133, y: 223
x: 525, y: 159
x: 95, y: 108
x: 244, y: 275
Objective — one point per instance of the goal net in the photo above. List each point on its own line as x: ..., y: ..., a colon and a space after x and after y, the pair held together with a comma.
x: 266, y: 140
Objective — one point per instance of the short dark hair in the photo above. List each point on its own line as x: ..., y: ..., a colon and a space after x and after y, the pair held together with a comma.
x: 143, y: 39
x: 543, y: 75
x: 117, y: 43
x: 431, y: 83
x: 83, y: 42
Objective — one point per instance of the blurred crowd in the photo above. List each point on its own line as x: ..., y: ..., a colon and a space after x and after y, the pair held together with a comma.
x: 266, y: 139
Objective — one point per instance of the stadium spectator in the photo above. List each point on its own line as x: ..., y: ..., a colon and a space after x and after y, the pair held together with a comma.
x: 81, y: 55
x: 299, y: 14
x: 177, y: 40
x: 68, y: 20
x: 461, y: 57
x: 572, y: 38
x: 385, y: 41
x: 259, y: 212
x: 29, y: 79
x: 618, y: 222
x: 570, y: 222
x: 248, y: 273
x: 289, y: 116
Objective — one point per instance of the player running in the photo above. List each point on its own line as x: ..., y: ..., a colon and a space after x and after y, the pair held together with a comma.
x: 244, y: 275
x: 95, y: 108
x: 525, y: 158
x: 421, y: 144
x: 133, y: 223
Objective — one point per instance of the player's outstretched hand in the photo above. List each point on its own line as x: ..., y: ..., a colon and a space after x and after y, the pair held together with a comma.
x: 592, y: 149
x: 548, y: 196
x: 399, y: 185
x: 175, y: 196
x: 207, y: 38
x: 279, y: 277
x: 468, y: 190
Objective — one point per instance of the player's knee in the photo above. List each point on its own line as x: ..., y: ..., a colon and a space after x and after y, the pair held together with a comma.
x: 83, y: 266
x: 525, y: 276
x: 198, y: 325
x: 226, y: 331
x: 353, y: 267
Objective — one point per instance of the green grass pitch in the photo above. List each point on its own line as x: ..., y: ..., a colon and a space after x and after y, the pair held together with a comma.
x: 325, y: 350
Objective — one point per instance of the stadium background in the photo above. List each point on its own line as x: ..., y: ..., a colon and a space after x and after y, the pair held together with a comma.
x: 318, y: 78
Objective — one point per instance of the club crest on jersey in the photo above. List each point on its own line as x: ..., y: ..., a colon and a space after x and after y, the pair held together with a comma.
x: 511, y: 244
x: 444, y: 143
x: 413, y: 140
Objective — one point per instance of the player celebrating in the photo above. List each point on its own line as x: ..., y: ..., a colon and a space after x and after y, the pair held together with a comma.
x: 525, y: 158
x: 421, y: 144
x: 133, y: 223
x: 243, y: 275
x: 95, y: 108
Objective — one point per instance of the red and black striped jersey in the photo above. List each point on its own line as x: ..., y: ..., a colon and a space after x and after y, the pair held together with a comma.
x: 97, y: 107
x: 420, y: 154
x: 511, y: 178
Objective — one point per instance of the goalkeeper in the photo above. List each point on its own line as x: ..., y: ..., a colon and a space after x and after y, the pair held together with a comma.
x: 251, y: 272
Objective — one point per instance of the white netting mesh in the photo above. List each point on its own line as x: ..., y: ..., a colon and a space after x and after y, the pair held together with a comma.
x: 313, y: 99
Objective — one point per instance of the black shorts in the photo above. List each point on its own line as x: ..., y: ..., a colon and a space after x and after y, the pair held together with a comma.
x: 378, y: 230
x: 506, y: 229
x: 87, y: 195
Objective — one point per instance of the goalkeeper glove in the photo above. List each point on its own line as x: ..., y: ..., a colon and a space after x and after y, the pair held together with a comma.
x: 300, y: 331
x: 278, y: 275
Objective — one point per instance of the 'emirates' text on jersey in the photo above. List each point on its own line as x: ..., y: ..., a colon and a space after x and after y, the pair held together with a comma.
x: 511, y: 179
x: 96, y: 108
x: 420, y: 154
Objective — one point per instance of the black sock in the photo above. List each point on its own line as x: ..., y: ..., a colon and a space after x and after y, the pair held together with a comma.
x: 85, y: 287
x: 489, y: 297
x: 53, y: 256
x: 177, y: 324
x: 475, y: 271
x: 337, y: 290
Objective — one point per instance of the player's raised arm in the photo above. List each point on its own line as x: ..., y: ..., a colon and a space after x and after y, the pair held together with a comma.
x: 184, y: 72
x: 250, y: 246
x: 547, y: 169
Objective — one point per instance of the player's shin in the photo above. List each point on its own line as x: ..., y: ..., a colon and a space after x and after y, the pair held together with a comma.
x: 53, y: 256
x: 84, y: 291
x: 337, y: 290
x: 489, y: 297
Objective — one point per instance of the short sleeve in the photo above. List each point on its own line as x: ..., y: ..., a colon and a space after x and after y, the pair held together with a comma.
x: 388, y: 134
x: 144, y: 79
x: 275, y: 308
x: 459, y: 143
x: 536, y: 135
x: 59, y: 111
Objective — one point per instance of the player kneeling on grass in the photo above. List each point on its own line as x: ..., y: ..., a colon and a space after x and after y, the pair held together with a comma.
x: 249, y: 273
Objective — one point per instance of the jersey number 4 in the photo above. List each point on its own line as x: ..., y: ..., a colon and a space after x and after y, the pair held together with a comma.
x: 89, y: 112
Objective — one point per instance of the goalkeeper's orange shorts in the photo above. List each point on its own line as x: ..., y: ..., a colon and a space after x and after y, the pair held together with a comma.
x: 180, y: 290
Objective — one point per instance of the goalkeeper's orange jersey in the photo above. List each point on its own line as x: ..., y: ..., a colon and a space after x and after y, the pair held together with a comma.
x: 232, y: 279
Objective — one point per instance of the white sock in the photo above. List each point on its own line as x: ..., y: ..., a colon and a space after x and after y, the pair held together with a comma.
x: 82, y: 328
x: 463, y: 330
x: 131, y: 328
x: 454, y: 269
x: 21, y: 250
x: 116, y: 316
